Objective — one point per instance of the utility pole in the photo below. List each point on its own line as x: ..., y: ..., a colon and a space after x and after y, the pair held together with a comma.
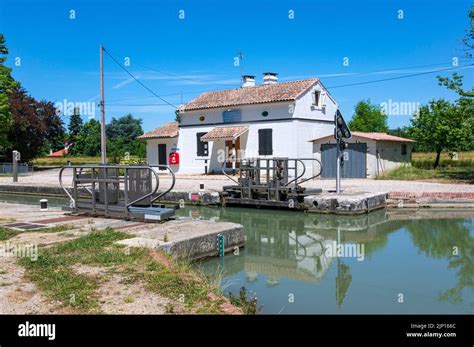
x: 338, y: 168
x: 103, y: 143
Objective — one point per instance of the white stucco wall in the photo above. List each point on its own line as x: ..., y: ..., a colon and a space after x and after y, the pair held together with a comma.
x: 390, y: 155
x: 304, y: 107
x: 294, y: 125
x: 152, y: 150
x: 290, y: 139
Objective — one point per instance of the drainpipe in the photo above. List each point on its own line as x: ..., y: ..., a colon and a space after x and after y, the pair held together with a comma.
x: 233, y: 156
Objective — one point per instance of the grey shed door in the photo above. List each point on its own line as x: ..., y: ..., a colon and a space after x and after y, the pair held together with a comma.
x: 355, y: 167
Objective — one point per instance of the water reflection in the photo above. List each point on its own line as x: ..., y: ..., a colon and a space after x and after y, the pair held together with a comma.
x: 291, y: 246
x: 426, y: 254
x: 453, y: 240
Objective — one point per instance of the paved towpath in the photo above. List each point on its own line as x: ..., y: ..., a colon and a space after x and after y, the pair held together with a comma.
x: 216, y: 182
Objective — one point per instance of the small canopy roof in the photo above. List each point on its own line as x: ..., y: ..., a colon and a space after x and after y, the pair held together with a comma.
x: 225, y: 133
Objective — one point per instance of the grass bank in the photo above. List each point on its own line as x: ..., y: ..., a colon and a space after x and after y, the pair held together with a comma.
x: 62, y: 161
x: 469, y: 155
x: 55, y: 273
x: 442, y: 174
x: 8, y: 233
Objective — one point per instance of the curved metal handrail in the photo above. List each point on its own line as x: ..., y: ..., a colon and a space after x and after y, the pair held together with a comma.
x: 295, y: 180
x: 225, y: 174
x: 172, y: 184
x: 62, y: 185
x: 314, y: 176
x: 125, y: 167
x: 302, y: 174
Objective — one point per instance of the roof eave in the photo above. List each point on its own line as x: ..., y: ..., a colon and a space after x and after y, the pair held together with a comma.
x: 236, y: 105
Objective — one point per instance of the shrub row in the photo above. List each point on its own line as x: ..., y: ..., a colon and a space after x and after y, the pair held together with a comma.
x: 444, y: 163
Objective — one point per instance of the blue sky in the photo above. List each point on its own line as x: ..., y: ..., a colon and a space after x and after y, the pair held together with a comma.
x: 60, y: 56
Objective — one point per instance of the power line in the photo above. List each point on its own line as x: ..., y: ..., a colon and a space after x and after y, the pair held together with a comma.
x: 139, y: 82
x: 185, y: 78
x: 174, y: 94
x: 137, y: 104
x: 212, y: 83
x: 395, y: 70
x: 398, y: 77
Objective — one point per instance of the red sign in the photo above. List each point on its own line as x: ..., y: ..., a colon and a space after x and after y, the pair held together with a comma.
x: 174, y: 158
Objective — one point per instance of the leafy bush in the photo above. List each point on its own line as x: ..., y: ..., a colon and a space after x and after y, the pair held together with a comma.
x: 445, y: 163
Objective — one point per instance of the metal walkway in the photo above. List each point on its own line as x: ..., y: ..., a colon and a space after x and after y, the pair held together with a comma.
x: 270, y: 182
x: 121, y: 191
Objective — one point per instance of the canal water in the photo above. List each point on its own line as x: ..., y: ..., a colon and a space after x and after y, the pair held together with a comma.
x: 376, y: 263
x: 407, y: 262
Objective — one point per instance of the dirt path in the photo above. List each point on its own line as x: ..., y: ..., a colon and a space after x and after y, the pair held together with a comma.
x: 19, y: 296
x: 115, y: 294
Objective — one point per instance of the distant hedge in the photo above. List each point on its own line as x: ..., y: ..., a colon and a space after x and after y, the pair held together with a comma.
x: 443, y: 164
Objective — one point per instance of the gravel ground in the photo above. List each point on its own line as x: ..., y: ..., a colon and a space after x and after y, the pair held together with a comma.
x: 215, y: 183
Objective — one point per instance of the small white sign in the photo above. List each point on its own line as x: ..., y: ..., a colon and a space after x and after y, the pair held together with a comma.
x: 346, y: 156
x: 153, y: 216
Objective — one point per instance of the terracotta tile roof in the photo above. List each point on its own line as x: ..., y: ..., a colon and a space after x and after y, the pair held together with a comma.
x: 224, y: 133
x: 60, y: 153
x: 282, y: 91
x: 167, y: 130
x: 381, y: 137
x: 373, y: 136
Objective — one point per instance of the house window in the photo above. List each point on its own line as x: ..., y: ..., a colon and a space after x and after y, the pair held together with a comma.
x: 202, y: 150
x: 265, y: 142
x: 404, y: 149
x: 202, y: 118
x: 317, y: 98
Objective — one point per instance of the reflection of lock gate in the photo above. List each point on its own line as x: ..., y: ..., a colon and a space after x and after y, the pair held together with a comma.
x: 125, y: 191
x: 272, y: 179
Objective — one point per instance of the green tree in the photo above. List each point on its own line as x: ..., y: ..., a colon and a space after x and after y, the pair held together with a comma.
x: 441, y: 126
x: 7, y: 85
x: 455, y: 82
x: 88, y: 139
x: 36, y: 128
x: 55, y: 133
x: 123, y: 133
x: 369, y: 118
x: 465, y: 103
x: 74, y: 128
x: 468, y: 39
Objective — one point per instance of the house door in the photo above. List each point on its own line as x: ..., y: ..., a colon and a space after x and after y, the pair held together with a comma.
x: 228, y: 146
x: 354, y: 167
x: 162, y: 155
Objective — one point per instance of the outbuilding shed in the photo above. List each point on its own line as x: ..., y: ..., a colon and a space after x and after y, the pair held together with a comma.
x: 368, y: 155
